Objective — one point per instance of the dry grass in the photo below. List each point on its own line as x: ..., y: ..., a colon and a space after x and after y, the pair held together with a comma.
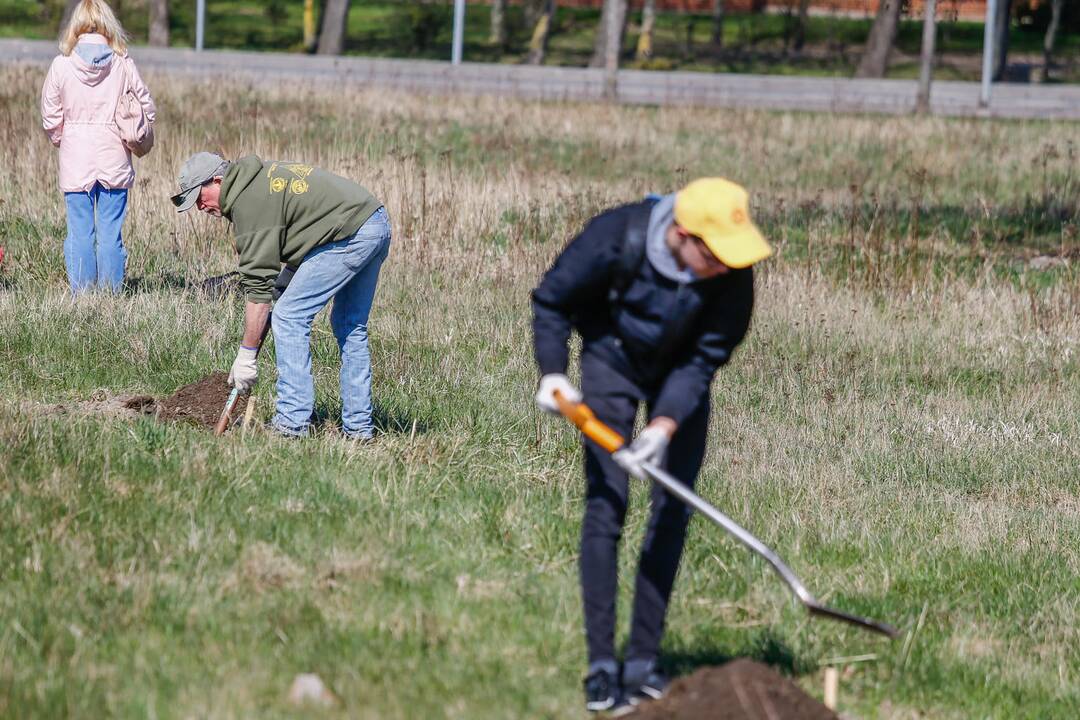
x: 901, y: 425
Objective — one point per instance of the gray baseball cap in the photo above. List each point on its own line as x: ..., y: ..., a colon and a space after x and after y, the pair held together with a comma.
x: 198, y: 170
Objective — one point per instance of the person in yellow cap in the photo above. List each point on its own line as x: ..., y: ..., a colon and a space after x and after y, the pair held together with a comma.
x: 661, y: 294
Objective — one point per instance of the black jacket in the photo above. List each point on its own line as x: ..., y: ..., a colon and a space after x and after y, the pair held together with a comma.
x: 668, y: 338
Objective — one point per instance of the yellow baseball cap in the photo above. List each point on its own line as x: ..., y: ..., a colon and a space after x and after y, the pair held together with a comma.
x: 718, y: 211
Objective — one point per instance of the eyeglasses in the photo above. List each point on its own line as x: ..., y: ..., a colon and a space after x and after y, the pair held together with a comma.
x: 178, y: 199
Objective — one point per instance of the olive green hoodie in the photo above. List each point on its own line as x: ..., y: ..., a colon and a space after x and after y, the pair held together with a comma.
x: 282, y: 211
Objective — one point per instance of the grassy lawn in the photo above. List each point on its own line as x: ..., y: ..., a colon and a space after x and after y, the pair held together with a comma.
x: 901, y: 425
x: 752, y: 43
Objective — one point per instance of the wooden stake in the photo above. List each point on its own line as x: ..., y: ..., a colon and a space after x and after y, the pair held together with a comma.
x: 249, y: 412
x: 832, y: 686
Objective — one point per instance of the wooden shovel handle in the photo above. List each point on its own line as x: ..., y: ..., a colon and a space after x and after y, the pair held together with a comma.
x: 583, y: 417
x: 223, y: 421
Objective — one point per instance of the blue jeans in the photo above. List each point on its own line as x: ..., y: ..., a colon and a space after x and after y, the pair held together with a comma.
x: 347, y: 271
x: 94, y: 251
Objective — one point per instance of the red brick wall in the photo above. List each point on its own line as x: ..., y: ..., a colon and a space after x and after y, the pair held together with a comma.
x: 965, y: 9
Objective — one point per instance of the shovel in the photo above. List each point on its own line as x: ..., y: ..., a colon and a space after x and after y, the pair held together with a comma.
x: 223, y: 421
x: 582, y: 416
x: 226, y: 412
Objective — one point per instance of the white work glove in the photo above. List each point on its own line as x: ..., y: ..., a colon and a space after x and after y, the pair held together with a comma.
x: 545, y: 395
x: 244, y: 370
x: 650, y: 446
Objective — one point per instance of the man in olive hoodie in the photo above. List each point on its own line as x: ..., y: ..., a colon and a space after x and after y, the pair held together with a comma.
x: 331, y: 235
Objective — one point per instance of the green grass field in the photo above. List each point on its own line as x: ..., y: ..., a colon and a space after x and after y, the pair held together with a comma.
x: 754, y: 43
x: 901, y: 425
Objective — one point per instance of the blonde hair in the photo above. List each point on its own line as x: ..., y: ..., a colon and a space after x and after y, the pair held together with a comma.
x: 93, y: 16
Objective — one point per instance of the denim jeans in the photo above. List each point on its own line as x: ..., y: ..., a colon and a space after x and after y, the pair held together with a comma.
x: 94, y: 251
x: 347, y: 271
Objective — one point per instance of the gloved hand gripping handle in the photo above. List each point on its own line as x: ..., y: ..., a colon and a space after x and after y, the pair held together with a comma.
x: 226, y: 412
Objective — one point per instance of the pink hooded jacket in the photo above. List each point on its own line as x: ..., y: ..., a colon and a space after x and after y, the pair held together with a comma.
x: 78, y: 102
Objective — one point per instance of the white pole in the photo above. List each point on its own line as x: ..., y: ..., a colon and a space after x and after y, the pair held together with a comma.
x: 929, y: 35
x: 200, y: 22
x: 988, y: 52
x: 459, y: 31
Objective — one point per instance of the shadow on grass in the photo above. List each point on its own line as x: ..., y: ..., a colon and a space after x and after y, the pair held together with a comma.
x: 394, y: 422
x: 766, y: 648
x: 217, y: 287
x: 386, y: 421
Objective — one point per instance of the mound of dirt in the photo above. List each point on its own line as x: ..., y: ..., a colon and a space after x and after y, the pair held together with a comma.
x: 199, y: 403
x: 738, y: 690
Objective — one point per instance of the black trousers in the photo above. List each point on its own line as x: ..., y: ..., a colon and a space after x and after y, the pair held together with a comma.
x: 615, y: 399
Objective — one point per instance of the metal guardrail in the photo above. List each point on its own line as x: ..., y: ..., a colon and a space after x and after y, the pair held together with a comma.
x: 641, y: 87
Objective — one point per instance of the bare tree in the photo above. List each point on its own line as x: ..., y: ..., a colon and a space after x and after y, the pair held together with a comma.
x: 1001, y: 38
x: 799, y: 41
x: 332, y: 34
x: 645, y: 39
x: 541, y: 33
x: 926, y: 61
x: 1056, y: 6
x: 718, y: 23
x: 498, y: 24
x: 159, y: 23
x: 875, y: 59
x: 612, y: 27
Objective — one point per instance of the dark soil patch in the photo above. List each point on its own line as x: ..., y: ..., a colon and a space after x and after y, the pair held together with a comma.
x: 199, y: 403
x: 738, y: 690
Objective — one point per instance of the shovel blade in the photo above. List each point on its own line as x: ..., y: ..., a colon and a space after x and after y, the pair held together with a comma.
x: 864, y: 623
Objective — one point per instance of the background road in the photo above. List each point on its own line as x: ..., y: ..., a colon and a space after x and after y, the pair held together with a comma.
x: 771, y: 92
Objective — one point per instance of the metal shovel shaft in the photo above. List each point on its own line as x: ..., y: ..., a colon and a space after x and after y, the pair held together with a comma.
x: 582, y: 416
x: 741, y: 534
x: 744, y: 536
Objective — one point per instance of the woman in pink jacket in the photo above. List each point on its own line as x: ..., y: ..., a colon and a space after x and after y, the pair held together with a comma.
x: 78, y: 102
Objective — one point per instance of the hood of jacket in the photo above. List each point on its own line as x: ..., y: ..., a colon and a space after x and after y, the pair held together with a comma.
x: 92, y: 59
x: 236, y: 180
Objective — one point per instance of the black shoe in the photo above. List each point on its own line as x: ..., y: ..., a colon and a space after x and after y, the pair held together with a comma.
x: 601, y: 691
x: 650, y: 686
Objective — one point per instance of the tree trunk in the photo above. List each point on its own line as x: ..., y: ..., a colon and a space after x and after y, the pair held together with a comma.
x: 926, y: 61
x: 69, y: 7
x: 1001, y: 38
x: 645, y: 39
x: 159, y: 23
x: 718, y: 23
x: 541, y: 33
x: 799, y: 42
x: 1051, y: 38
x: 498, y: 24
x: 332, y: 34
x: 1056, y: 6
x: 875, y: 59
x: 612, y: 27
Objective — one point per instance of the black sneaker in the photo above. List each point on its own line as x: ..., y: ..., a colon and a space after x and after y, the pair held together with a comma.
x: 650, y: 686
x: 601, y: 691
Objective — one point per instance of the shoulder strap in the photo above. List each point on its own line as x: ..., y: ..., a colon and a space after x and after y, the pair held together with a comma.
x: 124, y: 82
x: 127, y: 74
x: 633, y: 249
